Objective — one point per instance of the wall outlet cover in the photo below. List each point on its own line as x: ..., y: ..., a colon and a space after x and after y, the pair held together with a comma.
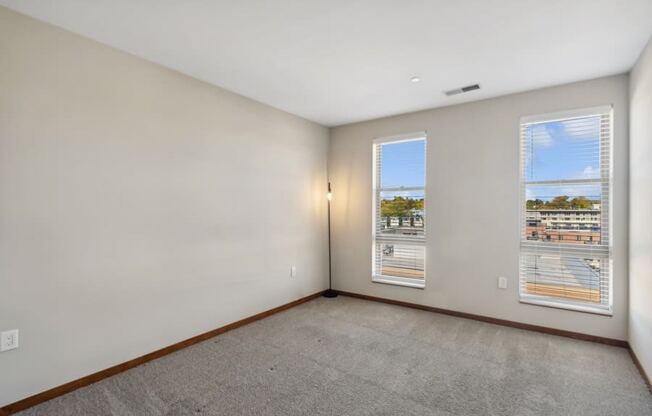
x: 8, y: 340
x: 502, y: 282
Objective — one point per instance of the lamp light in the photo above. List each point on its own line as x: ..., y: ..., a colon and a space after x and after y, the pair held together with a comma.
x: 329, y: 293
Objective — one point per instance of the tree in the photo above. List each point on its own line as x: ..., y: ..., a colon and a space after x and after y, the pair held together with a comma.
x: 534, y: 204
x: 581, y: 202
x: 400, y: 207
x: 559, y: 202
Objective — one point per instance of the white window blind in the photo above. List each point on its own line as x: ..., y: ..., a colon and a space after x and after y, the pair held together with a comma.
x: 399, y: 210
x: 565, y: 256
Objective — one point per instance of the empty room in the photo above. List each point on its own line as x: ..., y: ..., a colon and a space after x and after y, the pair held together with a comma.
x: 291, y: 207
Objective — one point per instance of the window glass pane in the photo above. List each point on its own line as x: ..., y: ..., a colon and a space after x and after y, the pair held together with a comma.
x: 565, y: 256
x: 567, y: 149
x: 400, y: 260
x: 568, y: 214
x: 564, y: 277
x: 402, y: 214
x: 399, y: 220
x: 402, y: 164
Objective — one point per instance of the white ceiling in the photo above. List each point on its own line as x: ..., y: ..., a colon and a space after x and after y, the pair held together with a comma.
x: 340, y: 61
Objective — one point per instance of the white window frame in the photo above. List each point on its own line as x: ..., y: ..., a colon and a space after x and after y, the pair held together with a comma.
x: 376, y: 190
x: 604, y: 251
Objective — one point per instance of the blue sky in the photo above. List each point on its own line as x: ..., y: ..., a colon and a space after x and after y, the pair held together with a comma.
x: 403, y: 164
x: 568, y: 149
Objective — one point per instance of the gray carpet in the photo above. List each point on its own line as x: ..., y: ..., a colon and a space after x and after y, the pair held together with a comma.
x: 347, y: 356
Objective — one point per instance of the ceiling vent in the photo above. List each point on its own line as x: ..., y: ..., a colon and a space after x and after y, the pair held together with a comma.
x: 462, y: 90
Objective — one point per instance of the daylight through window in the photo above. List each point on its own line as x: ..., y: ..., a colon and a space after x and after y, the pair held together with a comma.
x: 565, y: 222
x: 399, y: 210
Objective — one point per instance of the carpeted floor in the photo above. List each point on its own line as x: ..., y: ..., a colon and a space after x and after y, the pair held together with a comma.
x: 347, y: 356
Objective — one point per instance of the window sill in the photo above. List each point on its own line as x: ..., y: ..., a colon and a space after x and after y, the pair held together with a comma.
x: 567, y: 306
x: 399, y: 281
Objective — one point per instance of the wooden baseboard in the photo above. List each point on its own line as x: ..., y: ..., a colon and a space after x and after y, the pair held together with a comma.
x: 640, y: 369
x: 496, y: 321
x: 111, y: 371
x: 513, y: 324
x: 100, y: 375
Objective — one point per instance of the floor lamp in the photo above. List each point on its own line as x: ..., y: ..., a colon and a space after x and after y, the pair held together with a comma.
x: 329, y: 293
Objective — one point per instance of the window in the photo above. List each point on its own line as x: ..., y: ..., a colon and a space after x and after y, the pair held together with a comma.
x: 399, y: 210
x: 566, y: 171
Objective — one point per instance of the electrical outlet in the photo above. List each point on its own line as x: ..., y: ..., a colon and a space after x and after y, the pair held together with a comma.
x: 293, y: 271
x: 8, y: 340
x: 502, y: 282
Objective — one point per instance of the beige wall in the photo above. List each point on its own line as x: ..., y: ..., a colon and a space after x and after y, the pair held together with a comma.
x: 140, y: 207
x: 640, y: 227
x: 473, y: 205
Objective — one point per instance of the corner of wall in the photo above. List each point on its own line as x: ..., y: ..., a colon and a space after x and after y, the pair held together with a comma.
x: 640, y: 240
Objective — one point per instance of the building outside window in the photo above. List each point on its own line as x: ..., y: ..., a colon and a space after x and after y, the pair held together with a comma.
x: 565, y: 196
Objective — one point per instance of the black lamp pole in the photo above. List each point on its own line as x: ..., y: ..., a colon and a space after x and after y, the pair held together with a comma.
x: 329, y: 293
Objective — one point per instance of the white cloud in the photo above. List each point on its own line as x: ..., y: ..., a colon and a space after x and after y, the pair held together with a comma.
x: 540, y: 136
x: 405, y: 194
x: 529, y: 194
x: 582, y: 128
x: 590, y: 191
x: 589, y: 173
